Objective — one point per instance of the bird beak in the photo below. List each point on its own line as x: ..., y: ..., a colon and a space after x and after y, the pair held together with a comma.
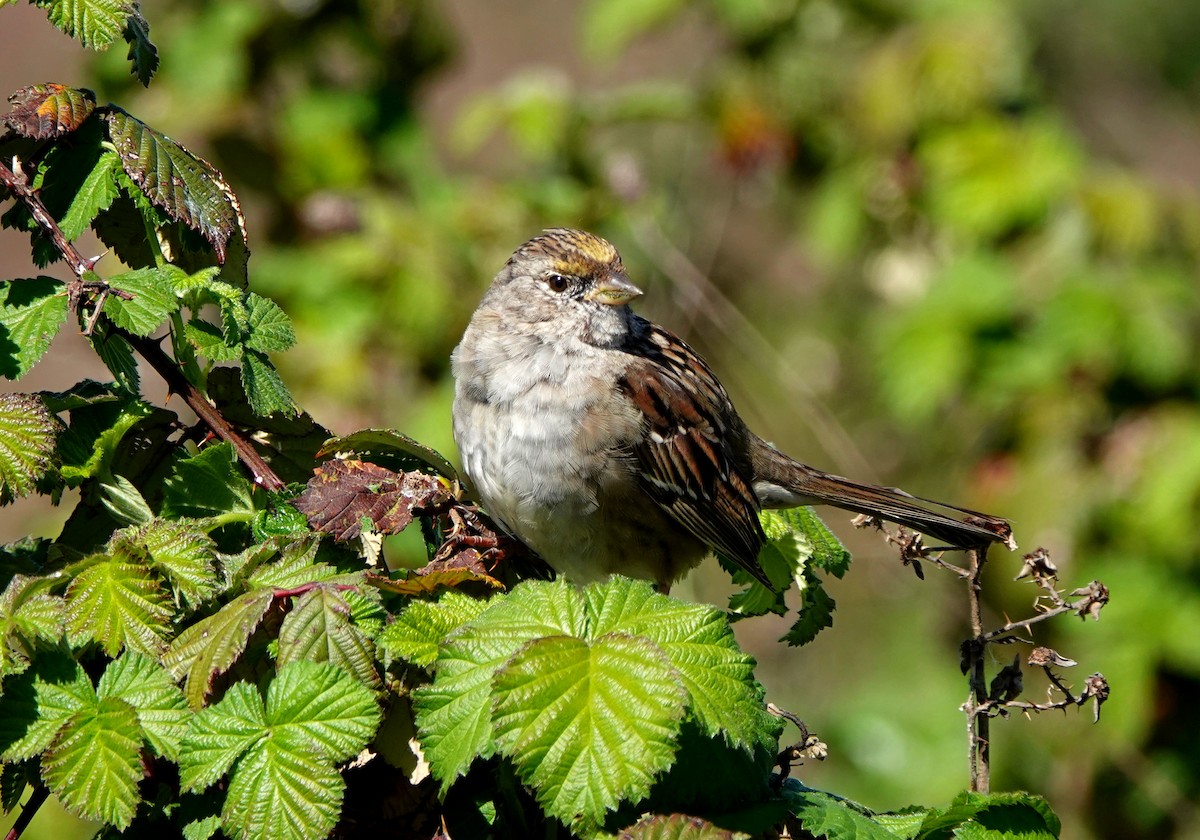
x: 613, y: 290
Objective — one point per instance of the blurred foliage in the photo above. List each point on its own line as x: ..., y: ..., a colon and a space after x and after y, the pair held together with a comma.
x: 901, y: 199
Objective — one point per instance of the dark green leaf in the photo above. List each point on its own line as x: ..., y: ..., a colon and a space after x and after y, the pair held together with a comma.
x: 31, y: 314
x: 211, y: 645
x: 208, y: 484
x: 816, y: 613
x: 143, y: 55
x: 187, y: 188
x: 264, y: 386
x: 822, y: 815
x: 118, y: 357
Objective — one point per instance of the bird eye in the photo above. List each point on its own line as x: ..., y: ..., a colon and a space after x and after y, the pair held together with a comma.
x: 557, y: 283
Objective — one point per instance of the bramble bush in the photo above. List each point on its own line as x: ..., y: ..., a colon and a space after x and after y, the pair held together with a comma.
x: 214, y: 645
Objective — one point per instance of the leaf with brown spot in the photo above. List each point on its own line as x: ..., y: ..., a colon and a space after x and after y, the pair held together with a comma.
x: 344, y: 494
x: 187, y: 188
x: 41, y: 112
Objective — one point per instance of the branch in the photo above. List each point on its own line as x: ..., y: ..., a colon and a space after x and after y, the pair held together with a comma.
x: 30, y: 809
x: 79, y: 288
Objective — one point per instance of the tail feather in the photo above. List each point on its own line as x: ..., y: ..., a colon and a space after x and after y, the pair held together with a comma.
x: 784, y: 482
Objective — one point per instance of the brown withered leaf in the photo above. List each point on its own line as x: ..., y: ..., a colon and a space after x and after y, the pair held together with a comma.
x: 343, y: 494
x: 464, y: 567
x: 41, y: 112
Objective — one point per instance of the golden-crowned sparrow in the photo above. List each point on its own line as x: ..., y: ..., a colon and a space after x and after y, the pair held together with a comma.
x: 607, y: 445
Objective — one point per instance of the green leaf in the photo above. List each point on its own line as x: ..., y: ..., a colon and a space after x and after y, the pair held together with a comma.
x: 320, y: 709
x: 94, y: 23
x: 210, y: 341
x: 423, y: 626
x: 118, y: 604
x: 124, y: 501
x: 208, y: 484
x: 220, y: 734
x: 268, y: 329
x: 95, y: 765
x: 161, y: 710
x: 186, y: 188
x: 588, y: 725
x: 978, y: 816
x: 319, y: 629
x: 297, y: 566
x: 722, y: 693
x: 283, y: 794
x: 118, y: 357
x: 27, y: 438
x: 35, y: 704
x: 14, y: 779
x: 90, y: 443
x: 822, y: 815
x: 282, y: 783
x: 31, y: 314
x: 816, y: 613
x: 454, y: 712
x: 182, y: 551
x: 28, y: 612
x: 824, y: 549
x: 143, y: 55
x: 96, y: 194
x: 153, y: 300
x: 264, y: 386
x: 211, y: 645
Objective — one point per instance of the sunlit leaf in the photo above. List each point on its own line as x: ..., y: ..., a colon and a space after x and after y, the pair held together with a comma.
x: 145, y: 685
x: 118, y: 604
x: 588, y: 724
x: 27, y: 436
x: 95, y: 765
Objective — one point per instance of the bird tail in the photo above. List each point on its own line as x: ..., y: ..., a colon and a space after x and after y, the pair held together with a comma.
x: 784, y: 482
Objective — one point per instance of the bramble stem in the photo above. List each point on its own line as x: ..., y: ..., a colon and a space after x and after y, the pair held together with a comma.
x: 16, y: 183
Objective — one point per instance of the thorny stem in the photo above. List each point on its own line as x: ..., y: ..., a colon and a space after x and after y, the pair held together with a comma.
x: 16, y: 182
x: 29, y: 810
x: 978, y: 722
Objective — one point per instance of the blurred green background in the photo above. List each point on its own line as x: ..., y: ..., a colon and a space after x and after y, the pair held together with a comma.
x: 945, y: 244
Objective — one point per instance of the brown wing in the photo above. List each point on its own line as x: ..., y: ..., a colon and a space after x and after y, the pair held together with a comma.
x: 694, y: 457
